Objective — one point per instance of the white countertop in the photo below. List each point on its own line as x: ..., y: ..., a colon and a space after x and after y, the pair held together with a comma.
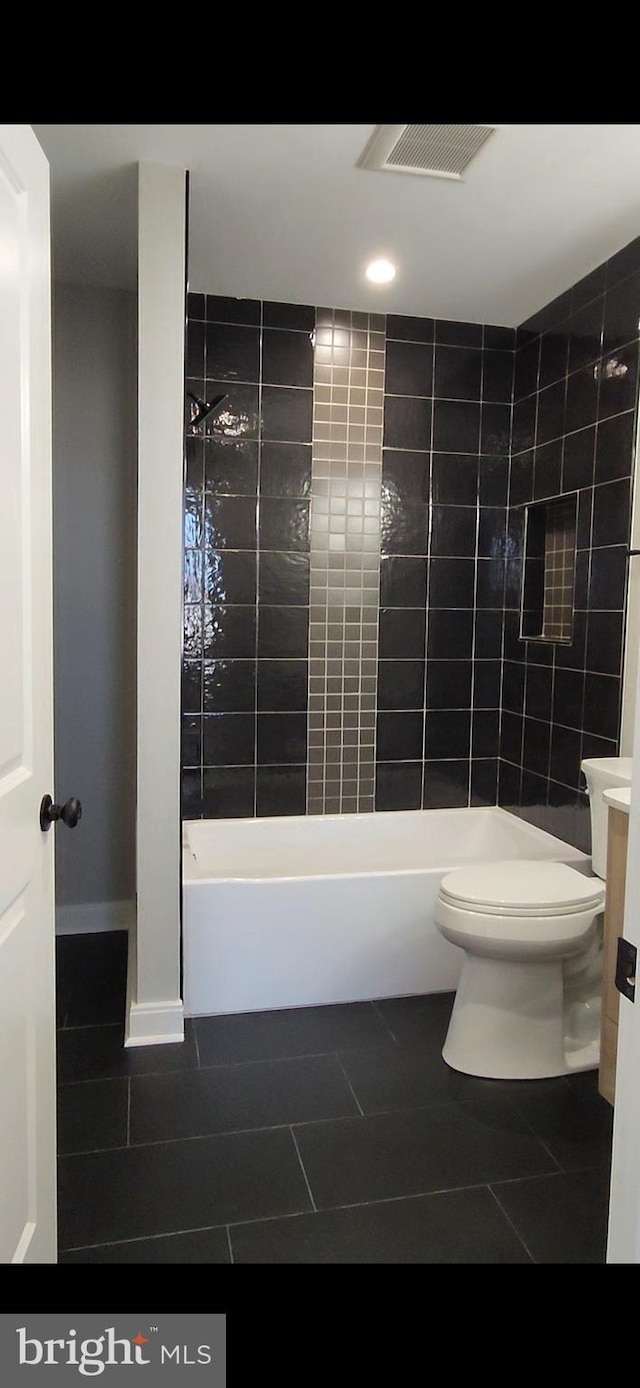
x: 619, y: 797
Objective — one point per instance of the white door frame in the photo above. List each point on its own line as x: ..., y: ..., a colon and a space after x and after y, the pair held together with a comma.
x: 27, y: 938
x: 624, y: 1205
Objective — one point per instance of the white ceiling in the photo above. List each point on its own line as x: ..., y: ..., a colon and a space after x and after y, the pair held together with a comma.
x: 282, y: 212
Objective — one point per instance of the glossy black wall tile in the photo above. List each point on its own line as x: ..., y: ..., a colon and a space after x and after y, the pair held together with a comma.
x: 228, y: 739
x: 231, y: 466
x: 287, y: 358
x: 232, y: 353
x: 409, y: 369
x: 283, y: 632
x: 281, y: 790
x: 282, y: 685
x: 407, y: 422
x: 478, y: 421
x: 445, y: 785
x: 286, y: 414
x: 576, y: 383
x: 228, y: 686
x: 399, y: 785
x: 455, y: 479
x: 285, y: 469
x: 229, y: 576
x: 448, y: 388
x: 229, y: 522
x: 444, y: 546
x: 403, y: 582
x: 247, y: 487
x: 402, y: 634
x: 227, y: 793
x: 229, y: 631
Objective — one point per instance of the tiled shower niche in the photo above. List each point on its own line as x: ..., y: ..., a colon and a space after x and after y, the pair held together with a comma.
x: 549, y: 571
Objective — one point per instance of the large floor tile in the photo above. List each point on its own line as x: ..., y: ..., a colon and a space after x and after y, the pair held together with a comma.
x: 227, y: 1098
x: 92, y: 972
x: 421, y: 1020
x: 92, y: 1116
x: 404, y: 1077
x: 172, y: 1186
x: 438, y: 1148
x: 576, y: 1128
x: 294, y: 1031
x: 463, y: 1226
x: 561, y: 1218
x: 583, y: 1082
x: 90, y: 1053
x: 201, y: 1246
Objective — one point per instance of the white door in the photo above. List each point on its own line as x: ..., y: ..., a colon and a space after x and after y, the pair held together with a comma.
x: 27, y: 1011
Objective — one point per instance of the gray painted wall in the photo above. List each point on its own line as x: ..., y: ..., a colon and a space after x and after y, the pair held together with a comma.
x: 94, y: 546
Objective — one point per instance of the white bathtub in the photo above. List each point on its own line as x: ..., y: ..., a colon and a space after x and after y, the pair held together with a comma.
x: 336, y: 908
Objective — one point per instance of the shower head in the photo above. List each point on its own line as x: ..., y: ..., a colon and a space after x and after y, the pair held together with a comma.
x: 203, y: 409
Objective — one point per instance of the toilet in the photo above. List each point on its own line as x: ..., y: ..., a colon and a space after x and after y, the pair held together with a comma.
x: 528, y: 1000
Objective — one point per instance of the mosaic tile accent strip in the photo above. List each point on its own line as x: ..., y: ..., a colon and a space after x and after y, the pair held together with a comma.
x: 346, y: 475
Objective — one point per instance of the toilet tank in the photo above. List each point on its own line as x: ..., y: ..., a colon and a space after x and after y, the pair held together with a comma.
x: 601, y: 773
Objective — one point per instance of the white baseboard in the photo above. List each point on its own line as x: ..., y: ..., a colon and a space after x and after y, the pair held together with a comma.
x: 90, y: 917
x: 154, y: 1023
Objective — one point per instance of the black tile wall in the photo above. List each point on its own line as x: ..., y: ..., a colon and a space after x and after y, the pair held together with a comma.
x: 576, y: 384
x: 478, y: 421
x: 247, y: 486
x: 445, y: 478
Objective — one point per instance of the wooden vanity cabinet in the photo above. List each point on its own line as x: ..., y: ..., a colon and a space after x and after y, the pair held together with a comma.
x: 617, y: 841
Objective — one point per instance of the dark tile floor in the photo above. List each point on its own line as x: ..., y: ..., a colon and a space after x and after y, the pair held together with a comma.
x: 319, y: 1135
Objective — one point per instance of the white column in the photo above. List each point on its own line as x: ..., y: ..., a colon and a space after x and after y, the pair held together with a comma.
x: 154, y: 1011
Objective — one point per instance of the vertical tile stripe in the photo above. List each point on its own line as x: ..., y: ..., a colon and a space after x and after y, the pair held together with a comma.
x: 348, y: 404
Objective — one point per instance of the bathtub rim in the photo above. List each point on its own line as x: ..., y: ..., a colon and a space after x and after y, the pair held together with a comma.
x: 191, y: 878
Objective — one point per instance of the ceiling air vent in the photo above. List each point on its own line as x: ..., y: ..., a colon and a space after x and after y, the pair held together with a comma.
x: 435, y: 151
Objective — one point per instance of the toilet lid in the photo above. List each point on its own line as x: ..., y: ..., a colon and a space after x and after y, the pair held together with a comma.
x: 522, y: 886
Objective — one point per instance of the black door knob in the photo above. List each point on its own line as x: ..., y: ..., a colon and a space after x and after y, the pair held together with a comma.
x: 69, y: 813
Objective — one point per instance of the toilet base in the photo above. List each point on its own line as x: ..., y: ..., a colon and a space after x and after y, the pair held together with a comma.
x: 512, y: 1021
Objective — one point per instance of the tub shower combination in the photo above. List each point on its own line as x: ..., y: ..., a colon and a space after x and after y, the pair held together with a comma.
x: 355, y: 567
x: 300, y: 911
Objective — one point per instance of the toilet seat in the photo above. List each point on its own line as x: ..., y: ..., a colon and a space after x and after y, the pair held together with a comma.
x: 521, y: 888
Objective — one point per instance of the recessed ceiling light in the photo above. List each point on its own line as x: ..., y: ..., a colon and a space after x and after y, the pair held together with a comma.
x: 381, y: 271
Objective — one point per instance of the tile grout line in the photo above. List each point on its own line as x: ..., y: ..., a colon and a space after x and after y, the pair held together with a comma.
x: 229, y: 1243
x: 428, y: 570
x: 385, y: 1022
x: 476, y: 575
x: 306, y: 1178
x: 216, y: 1133
x: 214, y: 1065
x: 197, y: 1044
x: 129, y: 1111
x: 510, y: 1221
x: 90, y: 1026
x: 297, y: 1214
x: 269, y: 1219
x: 256, y: 724
x: 531, y: 1128
x: 355, y: 1096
